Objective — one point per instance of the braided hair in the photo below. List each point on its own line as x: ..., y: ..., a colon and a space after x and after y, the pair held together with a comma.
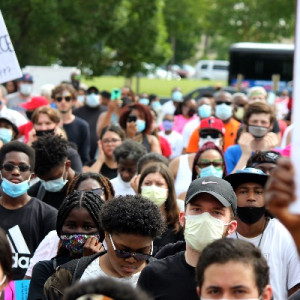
x: 104, y: 182
x: 80, y: 199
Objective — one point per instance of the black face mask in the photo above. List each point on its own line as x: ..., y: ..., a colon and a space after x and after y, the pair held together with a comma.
x: 29, y: 114
x: 250, y: 215
x: 44, y: 132
x: 191, y: 112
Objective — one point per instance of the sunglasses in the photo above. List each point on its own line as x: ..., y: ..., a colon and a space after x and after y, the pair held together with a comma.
x: 127, y: 254
x: 223, y: 102
x: 213, y: 135
x: 99, y: 191
x: 10, y: 167
x: 67, y: 98
x: 203, y: 163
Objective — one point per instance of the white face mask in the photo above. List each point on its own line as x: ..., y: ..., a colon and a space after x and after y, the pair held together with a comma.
x: 216, y: 141
x: 26, y: 89
x: 201, y: 230
x: 155, y: 194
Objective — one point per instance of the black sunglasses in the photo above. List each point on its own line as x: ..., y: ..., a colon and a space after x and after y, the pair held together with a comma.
x: 10, y: 167
x: 127, y: 254
x: 213, y: 135
x: 223, y: 102
x: 67, y: 98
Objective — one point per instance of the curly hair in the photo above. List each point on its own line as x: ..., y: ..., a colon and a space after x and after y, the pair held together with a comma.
x: 132, y: 214
x: 130, y: 150
x: 171, y: 207
x: 104, y: 182
x: 50, y: 151
x: 18, y: 147
x: 260, y: 157
x: 80, y: 199
x: 207, y: 146
x: 142, y: 109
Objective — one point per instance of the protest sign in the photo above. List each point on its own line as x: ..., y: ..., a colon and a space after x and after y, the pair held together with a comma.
x: 9, y: 66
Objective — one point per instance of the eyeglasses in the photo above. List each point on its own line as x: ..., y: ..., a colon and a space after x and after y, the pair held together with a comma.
x: 112, y: 141
x: 10, y: 167
x: 127, y: 254
x: 223, y: 102
x: 67, y: 98
x: 213, y: 135
x: 203, y: 163
x: 99, y: 191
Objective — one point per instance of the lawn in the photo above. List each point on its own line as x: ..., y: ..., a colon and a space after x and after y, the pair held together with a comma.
x: 160, y: 87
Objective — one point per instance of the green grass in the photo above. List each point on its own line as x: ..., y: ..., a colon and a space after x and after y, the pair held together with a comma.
x: 160, y: 87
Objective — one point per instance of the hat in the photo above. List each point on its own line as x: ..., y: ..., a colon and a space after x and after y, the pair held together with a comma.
x: 212, y: 123
x: 9, y: 119
x: 35, y: 102
x: 214, y: 186
x: 26, y: 77
x: 247, y: 175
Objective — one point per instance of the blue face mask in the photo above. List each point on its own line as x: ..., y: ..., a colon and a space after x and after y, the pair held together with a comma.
x: 5, y: 135
x: 223, y: 111
x: 54, y: 185
x: 14, y: 190
x: 144, y: 101
x: 177, y: 96
x: 92, y: 100
x: 204, y: 111
x: 80, y: 98
x: 141, y: 125
x: 155, y: 104
x: 168, y: 125
x: 211, y: 171
x: 26, y: 89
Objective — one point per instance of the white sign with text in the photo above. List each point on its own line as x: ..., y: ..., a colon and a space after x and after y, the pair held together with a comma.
x: 9, y: 65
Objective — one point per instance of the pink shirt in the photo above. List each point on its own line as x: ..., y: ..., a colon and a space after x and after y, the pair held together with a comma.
x: 180, y: 121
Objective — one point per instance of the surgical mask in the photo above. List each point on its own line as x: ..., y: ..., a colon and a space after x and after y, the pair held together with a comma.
x: 239, y: 114
x: 155, y: 104
x: 177, y: 96
x: 204, y: 111
x: 250, y: 215
x: 167, y: 125
x: 216, y: 141
x: 92, y: 100
x: 54, y: 185
x: 26, y: 89
x: 211, y: 171
x: 80, y: 98
x: 223, y: 111
x: 258, y: 131
x: 5, y: 135
x: 144, y: 101
x: 15, y: 190
x: 74, y: 242
x: 44, y: 132
x: 155, y: 194
x: 141, y: 125
x: 201, y: 230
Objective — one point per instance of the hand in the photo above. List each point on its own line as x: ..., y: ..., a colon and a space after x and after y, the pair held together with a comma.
x: 32, y: 136
x: 92, y: 246
x: 280, y: 193
x: 269, y: 141
x: 113, y: 105
x: 101, y: 155
x: 245, y: 141
x: 134, y: 182
x: 131, y: 129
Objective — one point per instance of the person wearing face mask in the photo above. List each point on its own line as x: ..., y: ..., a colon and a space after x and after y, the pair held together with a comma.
x: 25, y: 86
x: 273, y: 239
x: 173, y: 137
x: 25, y: 219
x: 8, y: 130
x: 210, y: 206
x: 53, y: 168
x: 170, y: 106
x: 80, y: 232
x: 240, y: 102
x: 156, y: 184
x: 256, y: 135
x: 90, y: 112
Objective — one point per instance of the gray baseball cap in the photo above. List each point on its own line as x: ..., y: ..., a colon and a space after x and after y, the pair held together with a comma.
x: 217, y: 187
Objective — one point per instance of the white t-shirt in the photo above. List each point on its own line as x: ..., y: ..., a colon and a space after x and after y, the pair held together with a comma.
x: 188, y: 129
x: 121, y: 187
x: 279, y: 249
x: 94, y: 271
x: 175, y: 140
x: 168, y: 108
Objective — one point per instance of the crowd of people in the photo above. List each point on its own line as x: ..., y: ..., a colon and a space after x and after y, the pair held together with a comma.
x: 119, y: 196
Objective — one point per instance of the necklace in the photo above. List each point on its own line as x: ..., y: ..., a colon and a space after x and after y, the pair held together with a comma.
x: 262, y: 234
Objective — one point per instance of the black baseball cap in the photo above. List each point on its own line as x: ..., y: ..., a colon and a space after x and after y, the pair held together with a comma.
x: 215, y: 186
x: 247, y: 175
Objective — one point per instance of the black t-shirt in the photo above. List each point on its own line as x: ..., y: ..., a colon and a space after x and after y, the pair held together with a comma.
x: 91, y: 115
x: 26, y: 227
x: 51, y: 198
x: 105, y: 170
x: 74, y: 157
x: 170, y: 278
x: 78, y: 132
